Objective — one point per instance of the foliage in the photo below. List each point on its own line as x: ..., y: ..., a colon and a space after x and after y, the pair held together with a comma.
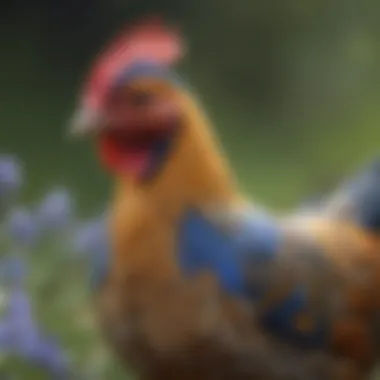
x: 47, y: 329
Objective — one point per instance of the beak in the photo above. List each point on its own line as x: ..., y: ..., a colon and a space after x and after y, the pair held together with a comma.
x: 85, y: 122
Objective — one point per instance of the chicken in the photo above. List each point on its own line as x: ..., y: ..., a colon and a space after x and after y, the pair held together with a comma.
x: 201, y: 283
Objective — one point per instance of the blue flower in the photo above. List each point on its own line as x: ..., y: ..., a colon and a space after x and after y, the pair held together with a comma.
x: 5, y: 336
x: 92, y: 241
x: 24, y: 339
x: 50, y: 356
x: 56, y: 210
x: 13, y: 270
x: 24, y: 332
x: 22, y: 226
x: 91, y: 237
x: 10, y: 176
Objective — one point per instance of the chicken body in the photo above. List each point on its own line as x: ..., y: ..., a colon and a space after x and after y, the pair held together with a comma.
x: 201, y: 284
x: 170, y: 325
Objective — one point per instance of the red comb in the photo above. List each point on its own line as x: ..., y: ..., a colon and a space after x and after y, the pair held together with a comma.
x: 150, y: 39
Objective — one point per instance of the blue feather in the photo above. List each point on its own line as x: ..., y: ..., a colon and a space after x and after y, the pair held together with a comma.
x: 205, y: 247
x: 147, y: 69
x: 202, y: 247
x: 364, y: 192
x: 281, y: 319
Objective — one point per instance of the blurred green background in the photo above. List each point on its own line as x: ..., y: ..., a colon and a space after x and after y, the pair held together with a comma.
x: 292, y: 85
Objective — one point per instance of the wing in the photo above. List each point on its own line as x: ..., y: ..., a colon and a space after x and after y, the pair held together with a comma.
x: 302, y: 275
x: 247, y: 252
